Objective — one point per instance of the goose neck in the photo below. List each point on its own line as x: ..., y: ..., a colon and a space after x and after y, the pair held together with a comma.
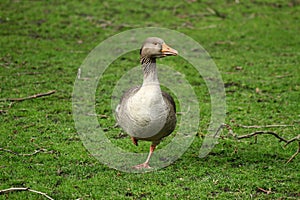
x: 149, y: 71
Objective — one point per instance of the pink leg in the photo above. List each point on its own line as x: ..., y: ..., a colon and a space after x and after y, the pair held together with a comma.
x: 146, y: 163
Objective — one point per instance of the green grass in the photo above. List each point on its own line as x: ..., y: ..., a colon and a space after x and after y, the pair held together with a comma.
x: 44, y: 42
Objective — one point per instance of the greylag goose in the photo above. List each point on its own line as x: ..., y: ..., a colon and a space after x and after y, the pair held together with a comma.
x: 146, y: 112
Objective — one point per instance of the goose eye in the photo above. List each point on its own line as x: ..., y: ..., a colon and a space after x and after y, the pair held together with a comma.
x: 155, y: 43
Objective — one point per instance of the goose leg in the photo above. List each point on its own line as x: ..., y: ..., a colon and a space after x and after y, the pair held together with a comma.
x: 146, y: 163
x: 135, y: 141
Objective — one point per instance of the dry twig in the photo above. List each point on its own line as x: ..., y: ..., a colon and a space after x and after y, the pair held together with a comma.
x: 266, y: 126
x: 264, y: 190
x: 97, y: 115
x: 261, y: 133
x: 297, y: 138
x: 5, y: 191
x: 295, y: 154
x: 26, y: 154
x: 31, y: 97
x: 281, y: 139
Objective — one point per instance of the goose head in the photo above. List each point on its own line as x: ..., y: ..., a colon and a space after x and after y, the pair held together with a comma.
x: 154, y: 47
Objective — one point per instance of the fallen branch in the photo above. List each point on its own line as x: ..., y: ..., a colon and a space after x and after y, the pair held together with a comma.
x: 262, y: 133
x: 221, y: 128
x: 281, y: 139
x: 295, y: 154
x: 31, y: 97
x: 264, y: 191
x: 5, y: 191
x: 266, y: 126
x: 297, y: 138
x: 97, y: 115
x: 25, y: 154
x: 27, y: 73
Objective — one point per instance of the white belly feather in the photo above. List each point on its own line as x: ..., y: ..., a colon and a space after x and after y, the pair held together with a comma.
x: 147, y: 112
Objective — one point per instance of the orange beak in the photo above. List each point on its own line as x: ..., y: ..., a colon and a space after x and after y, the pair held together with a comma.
x: 168, y: 51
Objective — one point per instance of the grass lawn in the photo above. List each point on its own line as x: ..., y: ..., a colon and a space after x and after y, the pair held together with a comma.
x: 256, y: 46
